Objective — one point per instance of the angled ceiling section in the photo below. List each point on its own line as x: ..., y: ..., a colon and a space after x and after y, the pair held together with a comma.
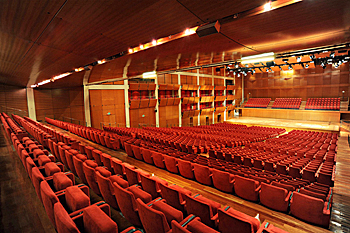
x: 42, y: 38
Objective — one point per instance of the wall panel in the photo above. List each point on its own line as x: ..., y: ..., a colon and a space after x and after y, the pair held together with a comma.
x: 305, y: 83
x: 13, y: 100
x: 65, y: 104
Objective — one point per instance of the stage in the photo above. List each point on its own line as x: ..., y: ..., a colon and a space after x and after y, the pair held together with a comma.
x: 288, y: 124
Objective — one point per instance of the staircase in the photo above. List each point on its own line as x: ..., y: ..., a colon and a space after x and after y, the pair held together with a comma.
x: 302, y: 105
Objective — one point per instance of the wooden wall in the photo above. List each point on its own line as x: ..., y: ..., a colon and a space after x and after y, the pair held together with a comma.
x: 13, y: 100
x: 169, y: 116
x: 304, y: 83
x: 107, y: 107
x: 62, y: 104
x: 142, y: 117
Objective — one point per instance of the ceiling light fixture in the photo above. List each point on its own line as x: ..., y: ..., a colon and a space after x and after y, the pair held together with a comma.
x: 149, y: 75
x: 258, y: 58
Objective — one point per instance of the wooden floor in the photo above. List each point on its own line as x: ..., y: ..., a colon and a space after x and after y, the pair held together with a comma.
x: 20, y: 207
x: 340, y: 221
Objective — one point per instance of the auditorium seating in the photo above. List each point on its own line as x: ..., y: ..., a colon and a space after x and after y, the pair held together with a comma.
x: 292, y: 103
x: 323, y: 104
x: 221, y: 164
x: 257, y: 103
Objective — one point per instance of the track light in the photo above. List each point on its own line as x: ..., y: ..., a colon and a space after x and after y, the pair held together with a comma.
x: 332, y: 54
x: 298, y: 59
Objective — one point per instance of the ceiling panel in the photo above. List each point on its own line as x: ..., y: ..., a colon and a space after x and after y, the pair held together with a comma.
x: 83, y: 32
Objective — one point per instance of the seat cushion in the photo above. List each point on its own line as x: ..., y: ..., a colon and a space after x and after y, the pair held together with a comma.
x: 43, y: 159
x: 76, y: 199
x: 38, y: 152
x: 91, y: 163
x: 51, y: 168
x: 119, y: 180
x: 170, y: 212
x: 81, y: 157
x: 95, y: 220
x: 103, y: 171
x: 61, y: 181
x: 139, y: 193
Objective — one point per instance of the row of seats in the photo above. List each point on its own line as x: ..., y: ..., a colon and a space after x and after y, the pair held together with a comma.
x: 323, y: 104
x: 204, y: 173
x: 67, y: 204
x: 292, y: 103
x: 155, y: 214
x: 241, y: 183
x: 257, y: 103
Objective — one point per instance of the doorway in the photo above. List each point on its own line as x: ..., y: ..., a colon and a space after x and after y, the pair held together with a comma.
x: 219, y: 118
x: 191, y: 121
x: 206, y: 120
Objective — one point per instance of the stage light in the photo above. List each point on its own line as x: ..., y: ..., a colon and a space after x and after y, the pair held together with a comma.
x: 306, y: 66
x: 298, y: 59
x: 267, y: 7
x: 258, y: 58
x: 332, y: 55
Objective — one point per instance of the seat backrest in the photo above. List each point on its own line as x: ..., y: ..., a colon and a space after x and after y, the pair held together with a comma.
x: 89, y: 171
x: 96, y: 220
x: 117, y: 166
x: 49, y: 199
x: 64, y: 223
x: 105, y: 187
x: 78, y: 165
x: 232, y: 219
x: 185, y: 168
x: 152, y: 220
x: 200, y: 209
x: 127, y: 204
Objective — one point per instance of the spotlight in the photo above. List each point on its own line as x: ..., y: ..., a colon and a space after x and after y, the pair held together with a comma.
x: 322, y: 64
x: 246, y: 65
x: 238, y: 75
x: 298, y: 59
x: 312, y: 56
x: 267, y: 7
x: 131, y: 50
x: 267, y: 69
x: 244, y: 73
x: 253, y: 71
x: 290, y: 67
x: 234, y: 73
x: 236, y: 65
x: 154, y: 42
x: 336, y: 65
x: 332, y: 54
x: 141, y: 46
x: 306, y: 66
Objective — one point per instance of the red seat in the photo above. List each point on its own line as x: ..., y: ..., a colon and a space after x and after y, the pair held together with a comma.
x: 223, y: 181
x: 174, y: 195
x: 192, y: 224
x: 185, y: 168
x: 171, y: 164
x: 202, y: 207
x: 203, y: 174
x: 310, y: 209
x: 89, y: 171
x: 230, y: 219
x: 247, y: 188
x: 274, y: 197
x: 150, y: 184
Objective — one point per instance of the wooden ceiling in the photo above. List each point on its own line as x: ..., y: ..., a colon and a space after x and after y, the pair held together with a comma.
x: 43, y: 38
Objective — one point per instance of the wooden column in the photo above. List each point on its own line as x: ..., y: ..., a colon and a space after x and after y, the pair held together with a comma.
x: 31, y: 103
